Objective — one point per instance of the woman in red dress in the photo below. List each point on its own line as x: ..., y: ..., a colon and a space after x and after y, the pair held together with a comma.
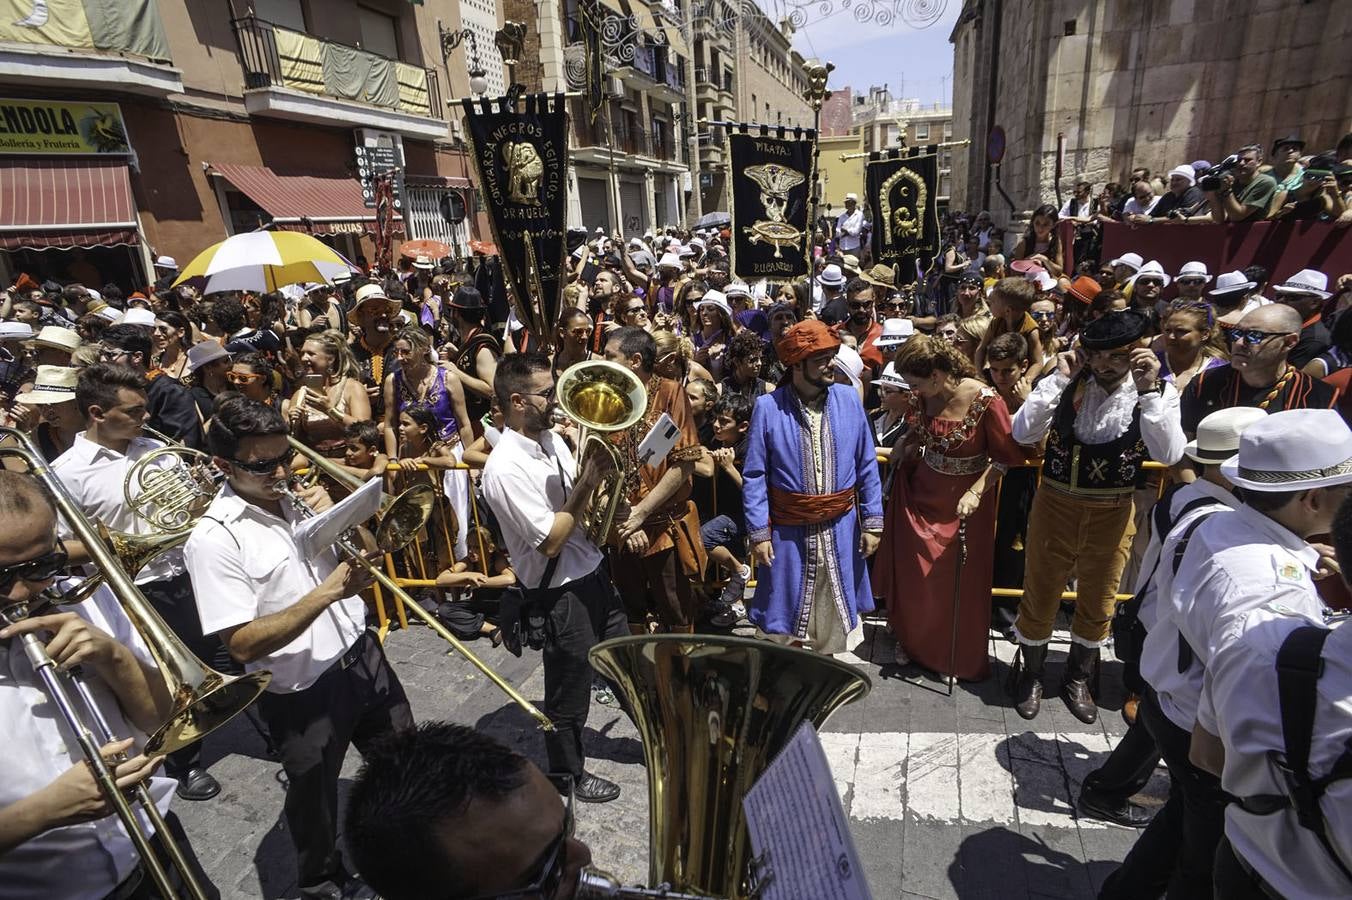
x: 956, y: 448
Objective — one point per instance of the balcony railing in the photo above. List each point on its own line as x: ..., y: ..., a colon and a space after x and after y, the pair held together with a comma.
x: 632, y: 141
x: 273, y: 56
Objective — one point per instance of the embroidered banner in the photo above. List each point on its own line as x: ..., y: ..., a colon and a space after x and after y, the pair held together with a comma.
x: 769, y: 200
x: 901, y: 197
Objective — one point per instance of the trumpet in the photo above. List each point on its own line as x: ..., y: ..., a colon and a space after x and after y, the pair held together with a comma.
x: 400, y: 519
x: 202, y: 698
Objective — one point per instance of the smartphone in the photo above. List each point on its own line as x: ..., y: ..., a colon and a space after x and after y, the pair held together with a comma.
x: 313, y: 382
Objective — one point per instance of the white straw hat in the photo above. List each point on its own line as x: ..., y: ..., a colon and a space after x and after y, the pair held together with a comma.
x: 1292, y: 450
x: 53, y: 384
x: 1218, y: 434
x: 57, y: 338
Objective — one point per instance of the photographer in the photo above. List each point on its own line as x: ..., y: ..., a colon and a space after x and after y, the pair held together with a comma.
x: 1183, y: 200
x: 1236, y: 190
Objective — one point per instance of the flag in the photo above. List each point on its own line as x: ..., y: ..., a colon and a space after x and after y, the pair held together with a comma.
x: 901, y: 197
x: 769, y: 197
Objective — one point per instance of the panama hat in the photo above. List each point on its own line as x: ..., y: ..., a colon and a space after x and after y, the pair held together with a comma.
x: 1306, y: 281
x: 57, y: 338
x: 16, y: 331
x: 1151, y: 269
x: 848, y: 360
x: 831, y: 276
x: 880, y: 276
x: 1218, y: 434
x: 1194, y: 269
x: 715, y: 298
x: 1131, y: 260
x: 367, y: 293
x: 895, y: 333
x: 1292, y: 450
x: 53, y: 384
x: 424, y: 262
x: 1232, y: 283
x: 137, y: 316
x: 892, y: 378
x: 204, y: 352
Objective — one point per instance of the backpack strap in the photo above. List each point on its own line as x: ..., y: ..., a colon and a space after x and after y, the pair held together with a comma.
x: 1185, y: 651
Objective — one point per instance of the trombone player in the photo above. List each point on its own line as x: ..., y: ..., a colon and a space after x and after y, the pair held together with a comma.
x: 529, y: 483
x: 58, y: 838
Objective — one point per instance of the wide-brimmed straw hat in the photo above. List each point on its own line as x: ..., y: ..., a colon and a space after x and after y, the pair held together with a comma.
x: 1218, y: 434
x: 371, y: 293
x: 53, y: 384
x: 1292, y: 450
x: 57, y: 338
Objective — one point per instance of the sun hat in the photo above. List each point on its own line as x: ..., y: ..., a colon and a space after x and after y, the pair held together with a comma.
x: 1194, y: 269
x: 341, y: 278
x: 368, y: 292
x: 850, y: 263
x: 204, y: 352
x: 737, y: 289
x: 852, y: 196
x: 53, y: 384
x: 715, y: 298
x: 1292, y: 450
x: 136, y: 316
x: 880, y: 276
x: 890, y: 377
x: 16, y: 331
x: 1232, y: 283
x: 1132, y: 260
x: 1026, y: 267
x: 1044, y: 282
x: 1306, y: 281
x: 851, y: 363
x: 111, y: 313
x: 424, y: 262
x: 1153, y: 269
x: 166, y: 262
x: 1084, y: 289
x: 1183, y: 172
x: 895, y: 333
x: 1218, y: 434
x: 57, y: 338
x: 831, y: 276
x: 670, y: 260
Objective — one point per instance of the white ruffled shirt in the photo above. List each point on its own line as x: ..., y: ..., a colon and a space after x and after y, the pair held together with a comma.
x: 1104, y: 417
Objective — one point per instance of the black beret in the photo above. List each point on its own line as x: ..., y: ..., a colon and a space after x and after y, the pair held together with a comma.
x: 1113, y: 330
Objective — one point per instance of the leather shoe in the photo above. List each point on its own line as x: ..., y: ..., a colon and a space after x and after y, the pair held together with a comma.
x: 1126, y: 813
x: 198, y: 784
x: 1080, y: 702
x: 595, y: 789
x: 1129, y: 708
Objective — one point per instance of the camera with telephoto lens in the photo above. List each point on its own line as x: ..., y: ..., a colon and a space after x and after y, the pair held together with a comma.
x: 1210, y: 179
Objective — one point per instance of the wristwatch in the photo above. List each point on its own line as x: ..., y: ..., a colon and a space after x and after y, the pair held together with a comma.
x: 1156, y: 388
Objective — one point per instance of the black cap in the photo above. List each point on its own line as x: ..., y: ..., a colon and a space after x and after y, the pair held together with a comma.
x: 466, y: 297
x: 1291, y: 138
x: 1115, y: 329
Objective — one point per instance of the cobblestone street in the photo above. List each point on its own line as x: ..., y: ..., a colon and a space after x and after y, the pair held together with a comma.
x: 948, y: 797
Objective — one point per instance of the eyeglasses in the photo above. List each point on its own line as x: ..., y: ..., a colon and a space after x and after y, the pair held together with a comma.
x: 547, y: 875
x: 242, y: 377
x: 108, y: 354
x: 1252, y: 336
x: 864, y: 305
x: 546, y: 394
x: 40, y: 568
x: 262, y: 466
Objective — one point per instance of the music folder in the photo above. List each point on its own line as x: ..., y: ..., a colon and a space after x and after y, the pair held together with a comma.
x: 322, y: 531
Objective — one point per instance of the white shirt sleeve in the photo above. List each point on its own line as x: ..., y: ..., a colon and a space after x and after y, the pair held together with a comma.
x: 227, y: 597
x: 1031, y: 422
x: 1161, y: 425
x: 521, y: 507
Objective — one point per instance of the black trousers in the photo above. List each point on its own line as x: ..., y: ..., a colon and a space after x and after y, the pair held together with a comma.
x: 1231, y: 880
x: 173, y: 599
x: 1175, y: 852
x: 582, y: 613
x: 1127, y: 769
x: 354, y: 704
x: 145, y: 889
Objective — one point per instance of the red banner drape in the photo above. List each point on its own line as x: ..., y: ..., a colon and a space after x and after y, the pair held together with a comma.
x: 1283, y: 248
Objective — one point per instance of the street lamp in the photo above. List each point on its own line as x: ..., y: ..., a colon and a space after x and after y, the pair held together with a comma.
x: 450, y: 40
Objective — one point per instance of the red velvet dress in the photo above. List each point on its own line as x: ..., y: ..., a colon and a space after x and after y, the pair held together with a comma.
x: 921, y: 536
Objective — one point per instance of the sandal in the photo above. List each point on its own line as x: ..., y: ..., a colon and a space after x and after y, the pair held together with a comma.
x: 496, y: 637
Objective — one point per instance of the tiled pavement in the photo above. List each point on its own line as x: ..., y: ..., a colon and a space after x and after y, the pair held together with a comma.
x: 948, y: 797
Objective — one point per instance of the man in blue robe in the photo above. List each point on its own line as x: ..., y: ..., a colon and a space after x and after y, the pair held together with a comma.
x: 810, y: 477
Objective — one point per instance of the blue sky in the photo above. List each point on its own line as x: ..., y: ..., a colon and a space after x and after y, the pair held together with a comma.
x: 912, y: 62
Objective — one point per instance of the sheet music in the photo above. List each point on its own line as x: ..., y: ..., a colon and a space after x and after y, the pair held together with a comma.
x: 795, y: 816
x: 322, y: 531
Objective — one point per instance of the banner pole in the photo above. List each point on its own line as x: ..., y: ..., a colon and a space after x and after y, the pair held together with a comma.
x: 816, y: 95
x: 845, y: 157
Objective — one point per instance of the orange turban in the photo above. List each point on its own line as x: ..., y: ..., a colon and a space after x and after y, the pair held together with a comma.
x: 804, y: 340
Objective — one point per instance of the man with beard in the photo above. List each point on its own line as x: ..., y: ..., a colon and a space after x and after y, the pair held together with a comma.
x: 1104, y: 411
x: 864, y: 324
x: 529, y: 483
x: 1259, y: 373
x: 372, y: 315
x: 479, y: 350
x: 1244, y: 193
x: 1147, y: 286
x: 599, y: 303
x: 807, y: 537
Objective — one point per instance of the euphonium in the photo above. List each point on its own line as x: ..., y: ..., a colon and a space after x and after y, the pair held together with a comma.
x: 172, y: 486
x: 712, y: 712
x: 603, y: 398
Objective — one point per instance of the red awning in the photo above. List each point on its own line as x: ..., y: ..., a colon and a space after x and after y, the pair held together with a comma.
x: 304, y: 202
x: 63, y: 203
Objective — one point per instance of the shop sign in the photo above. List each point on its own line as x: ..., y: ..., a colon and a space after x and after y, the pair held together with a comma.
x: 57, y: 127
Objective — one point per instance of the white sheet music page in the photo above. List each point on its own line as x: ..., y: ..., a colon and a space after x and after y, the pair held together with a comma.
x: 322, y: 531
x: 798, y: 824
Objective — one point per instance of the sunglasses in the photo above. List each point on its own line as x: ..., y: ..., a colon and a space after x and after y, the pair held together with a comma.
x: 107, y: 354
x: 1190, y: 281
x: 242, y: 377
x: 1042, y: 315
x: 40, y: 568
x: 1252, y: 336
x: 262, y: 466
x: 547, y: 875
x: 864, y: 305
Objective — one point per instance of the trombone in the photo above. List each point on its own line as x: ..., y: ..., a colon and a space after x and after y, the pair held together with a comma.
x: 202, y: 698
x: 400, y: 519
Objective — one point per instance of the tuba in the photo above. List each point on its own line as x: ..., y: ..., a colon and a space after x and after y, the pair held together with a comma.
x: 603, y: 398
x: 712, y: 712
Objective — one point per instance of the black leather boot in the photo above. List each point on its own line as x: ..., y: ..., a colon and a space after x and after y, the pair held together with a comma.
x: 1081, y: 666
x: 1028, y: 688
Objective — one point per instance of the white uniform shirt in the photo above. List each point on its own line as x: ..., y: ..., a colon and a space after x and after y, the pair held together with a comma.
x: 245, y: 564
x: 76, y: 862
x: 848, y: 228
x: 1177, y: 691
x: 1104, y: 417
x: 526, y: 484
x: 1240, y: 705
x: 1151, y: 584
x: 94, y: 475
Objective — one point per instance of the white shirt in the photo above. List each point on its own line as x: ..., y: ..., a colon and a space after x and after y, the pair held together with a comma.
x: 1177, y: 691
x: 1240, y: 705
x: 76, y: 862
x: 1133, y: 207
x: 245, y: 564
x: 1104, y: 417
x: 1151, y: 585
x: 526, y: 484
x: 94, y: 475
x: 848, y: 227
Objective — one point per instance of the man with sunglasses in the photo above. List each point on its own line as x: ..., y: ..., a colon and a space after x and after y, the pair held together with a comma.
x: 112, y: 400
x: 171, y: 407
x: 58, y: 837
x: 1259, y: 373
x: 295, y: 610
x: 864, y: 325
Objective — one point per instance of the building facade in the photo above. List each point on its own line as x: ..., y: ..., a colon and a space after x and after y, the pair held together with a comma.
x: 884, y: 123
x: 187, y: 125
x: 1154, y: 84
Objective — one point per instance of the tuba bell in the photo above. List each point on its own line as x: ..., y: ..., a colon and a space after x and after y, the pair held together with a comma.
x: 603, y: 398
x: 712, y: 712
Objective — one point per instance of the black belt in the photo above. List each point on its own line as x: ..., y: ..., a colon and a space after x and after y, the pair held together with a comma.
x: 356, y: 651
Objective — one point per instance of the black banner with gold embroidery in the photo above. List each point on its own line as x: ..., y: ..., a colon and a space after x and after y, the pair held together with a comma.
x: 771, y: 170
x: 901, y: 193
x: 521, y: 157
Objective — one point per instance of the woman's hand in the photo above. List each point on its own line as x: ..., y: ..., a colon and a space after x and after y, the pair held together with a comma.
x: 968, y: 503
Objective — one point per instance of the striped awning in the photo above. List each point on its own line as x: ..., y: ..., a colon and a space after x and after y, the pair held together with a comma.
x: 64, y: 203
x: 303, y: 202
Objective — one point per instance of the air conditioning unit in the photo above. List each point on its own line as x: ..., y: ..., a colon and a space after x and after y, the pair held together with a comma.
x: 615, y: 86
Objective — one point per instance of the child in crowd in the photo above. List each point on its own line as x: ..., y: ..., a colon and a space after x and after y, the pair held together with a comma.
x: 477, y: 588
x: 1010, y: 301
x: 362, y: 456
x: 724, y: 534
x: 1006, y: 362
